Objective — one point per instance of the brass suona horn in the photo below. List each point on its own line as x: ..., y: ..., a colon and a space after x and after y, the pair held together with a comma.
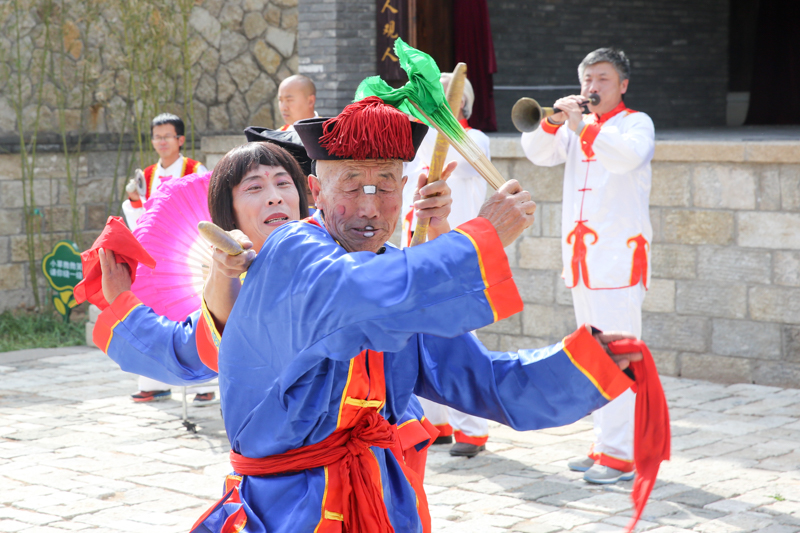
x: 527, y: 113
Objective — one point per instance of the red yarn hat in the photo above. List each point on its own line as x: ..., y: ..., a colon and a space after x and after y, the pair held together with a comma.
x: 367, y: 129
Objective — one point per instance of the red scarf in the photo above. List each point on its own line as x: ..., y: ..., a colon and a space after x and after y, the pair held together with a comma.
x: 651, y: 439
x: 118, y: 238
x: 364, y: 509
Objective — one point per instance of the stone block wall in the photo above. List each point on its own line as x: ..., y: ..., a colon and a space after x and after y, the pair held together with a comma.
x: 96, y: 178
x: 724, y: 302
x: 239, y: 51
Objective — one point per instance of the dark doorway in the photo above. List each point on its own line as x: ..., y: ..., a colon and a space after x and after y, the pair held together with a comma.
x: 775, y: 79
x: 432, y: 30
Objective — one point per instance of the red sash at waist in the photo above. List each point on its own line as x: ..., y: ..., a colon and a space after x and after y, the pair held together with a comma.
x: 363, y: 506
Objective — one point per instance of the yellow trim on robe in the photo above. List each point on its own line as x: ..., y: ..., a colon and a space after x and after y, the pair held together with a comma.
x: 324, y: 499
x: 111, y: 331
x: 586, y: 373
x: 344, y: 393
x: 483, y: 272
x: 408, y: 422
x: 363, y: 403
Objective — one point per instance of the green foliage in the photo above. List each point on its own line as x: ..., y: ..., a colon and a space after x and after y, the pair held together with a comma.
x: 23, y: 330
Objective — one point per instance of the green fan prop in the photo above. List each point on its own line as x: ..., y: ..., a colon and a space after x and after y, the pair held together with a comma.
x: 423, y: 98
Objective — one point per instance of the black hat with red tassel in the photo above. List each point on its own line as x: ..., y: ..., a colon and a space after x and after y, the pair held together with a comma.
x: 367, y: 129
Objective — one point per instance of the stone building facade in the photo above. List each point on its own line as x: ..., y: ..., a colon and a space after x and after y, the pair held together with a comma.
x: 724, y: 301
x: 240, y: 50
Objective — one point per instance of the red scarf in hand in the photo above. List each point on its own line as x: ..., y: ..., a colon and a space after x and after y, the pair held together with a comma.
x: 651, y: 439
x: 118, y: 238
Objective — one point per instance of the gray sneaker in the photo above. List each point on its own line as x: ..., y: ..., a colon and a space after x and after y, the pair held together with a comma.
x: 581, y: 464
x: 605, y: 475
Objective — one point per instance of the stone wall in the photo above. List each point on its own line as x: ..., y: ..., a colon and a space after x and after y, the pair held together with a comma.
x: 724, y: 302
x: 95, y: 182
x: 239, y: 51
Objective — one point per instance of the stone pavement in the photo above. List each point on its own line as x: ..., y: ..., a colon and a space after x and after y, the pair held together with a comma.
x: 76, y: 454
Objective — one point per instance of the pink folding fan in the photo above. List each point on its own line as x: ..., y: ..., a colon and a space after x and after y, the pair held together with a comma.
x: 168, y: 231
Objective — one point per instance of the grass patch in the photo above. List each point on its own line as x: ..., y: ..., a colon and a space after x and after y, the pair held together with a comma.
x: 22, y: 330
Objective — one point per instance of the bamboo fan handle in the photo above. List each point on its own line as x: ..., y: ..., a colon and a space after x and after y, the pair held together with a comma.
x: 472, y: 153
x: 455, y: 91
x: 219, y: 238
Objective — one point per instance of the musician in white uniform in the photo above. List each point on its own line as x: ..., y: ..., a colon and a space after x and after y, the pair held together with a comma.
x: 468, y: 190
x: 606, y: 232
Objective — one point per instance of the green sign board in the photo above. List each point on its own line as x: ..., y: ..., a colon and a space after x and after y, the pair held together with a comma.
x: 62, y: 269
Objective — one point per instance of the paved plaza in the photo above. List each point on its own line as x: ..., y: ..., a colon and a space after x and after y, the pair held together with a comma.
x: 77, y: 455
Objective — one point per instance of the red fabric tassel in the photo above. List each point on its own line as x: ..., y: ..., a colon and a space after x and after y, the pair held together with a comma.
x: 652, y: 436
x: 369, y: 129
x: 118, y: 238
x: 364, y: 509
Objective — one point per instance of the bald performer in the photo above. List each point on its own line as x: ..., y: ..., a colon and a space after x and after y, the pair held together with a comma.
x: 297, y: 96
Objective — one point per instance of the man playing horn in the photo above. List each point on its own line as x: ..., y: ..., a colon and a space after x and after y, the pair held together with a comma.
x: 606, y: 232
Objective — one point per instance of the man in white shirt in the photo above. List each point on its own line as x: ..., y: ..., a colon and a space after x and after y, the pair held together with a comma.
x: 606, y: 231
x: 468, y: 190
x: 166, y: 131
x: 297, y: 96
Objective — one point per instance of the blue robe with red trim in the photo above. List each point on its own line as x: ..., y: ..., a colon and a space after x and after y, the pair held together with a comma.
x: 147, y: 344
x: 318, y: 334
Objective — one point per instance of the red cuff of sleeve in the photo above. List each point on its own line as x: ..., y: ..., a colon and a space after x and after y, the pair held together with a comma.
x: 588, y: 135
x: 501, y: 291
x: 414, y: 432
x: 111, y: 316
x: 590, y: 358
x: 136, y: 203
x: 547, y: 127
x: 206, y: 348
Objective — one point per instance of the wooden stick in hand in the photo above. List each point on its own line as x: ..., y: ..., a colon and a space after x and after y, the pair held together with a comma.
x: 455, y: 91
x: 219, y: 238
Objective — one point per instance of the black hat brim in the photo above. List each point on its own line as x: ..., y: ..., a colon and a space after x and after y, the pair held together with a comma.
x: 288, y: 140
x: 310, y: 130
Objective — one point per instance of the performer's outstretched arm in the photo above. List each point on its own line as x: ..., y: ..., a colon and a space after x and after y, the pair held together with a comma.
x: 527, y: 389
x: 144, y: 343
x: 141, y: 341
x: 457, y: 283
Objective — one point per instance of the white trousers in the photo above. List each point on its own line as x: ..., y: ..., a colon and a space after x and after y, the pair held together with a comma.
x: 612, y: 310
x: 131, y: 214
x: 147, y: 384
x: 439, y: 415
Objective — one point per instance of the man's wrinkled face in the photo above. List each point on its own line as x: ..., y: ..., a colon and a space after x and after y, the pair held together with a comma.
x: 361, y: 200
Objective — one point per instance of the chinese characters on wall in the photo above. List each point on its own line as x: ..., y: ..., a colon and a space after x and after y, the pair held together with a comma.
x: 392, y: 23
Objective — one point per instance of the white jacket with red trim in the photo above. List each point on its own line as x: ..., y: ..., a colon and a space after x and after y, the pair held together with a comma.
x: 605, y: 220
x: 468, y: 188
